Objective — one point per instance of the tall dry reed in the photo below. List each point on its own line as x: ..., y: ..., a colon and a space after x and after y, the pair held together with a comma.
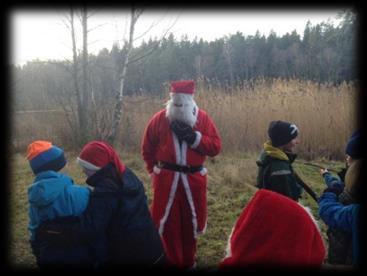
x: 325, y: 115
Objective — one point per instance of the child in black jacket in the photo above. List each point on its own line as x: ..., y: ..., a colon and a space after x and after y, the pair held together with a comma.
x: 117, y: 210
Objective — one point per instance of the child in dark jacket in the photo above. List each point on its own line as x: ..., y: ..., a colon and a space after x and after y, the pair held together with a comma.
x: 53, y: 195
x: 275, y: 171
x: 117, y: 210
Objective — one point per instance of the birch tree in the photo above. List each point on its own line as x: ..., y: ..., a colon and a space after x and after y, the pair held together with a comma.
x: 135, y: 14
x: 128, y: 59
x: 91, y: 115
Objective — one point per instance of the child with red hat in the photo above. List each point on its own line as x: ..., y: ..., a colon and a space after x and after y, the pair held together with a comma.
x: 117, y: 211
x: 175, y: 144
x: 53, y: 195
x: 274, y: 231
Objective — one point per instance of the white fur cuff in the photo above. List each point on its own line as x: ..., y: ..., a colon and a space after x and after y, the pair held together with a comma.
x: 156, y: 170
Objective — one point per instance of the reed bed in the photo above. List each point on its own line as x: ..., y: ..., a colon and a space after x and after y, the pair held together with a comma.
x: 325, y: 114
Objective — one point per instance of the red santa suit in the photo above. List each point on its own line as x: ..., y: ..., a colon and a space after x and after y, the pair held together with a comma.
x: 179, y: 206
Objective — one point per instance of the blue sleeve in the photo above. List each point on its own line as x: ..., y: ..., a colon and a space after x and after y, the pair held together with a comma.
x: 87, y: 227
x: 331, y: 181
x: 335, y: 214
x: 78, y: 198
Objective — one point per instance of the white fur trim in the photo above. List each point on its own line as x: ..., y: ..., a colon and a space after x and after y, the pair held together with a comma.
x: 188, y: 191
x: 197, y: 140
x: 191, y: 203
x: 204, y: 229
x: 156, y: 170
x: 174, y: 186
x: 169, y: 203
x: 176, y: 143
x: 229, y: 248
x: 203, y: 171
x: 184, y: 153
x: 180, y: 160
x: 87, y: 165
x: 309, y: 212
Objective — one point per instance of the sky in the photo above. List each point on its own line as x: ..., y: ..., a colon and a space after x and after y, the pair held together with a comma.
x: 43, y: 35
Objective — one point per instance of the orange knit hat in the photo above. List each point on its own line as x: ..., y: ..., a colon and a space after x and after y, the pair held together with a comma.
x: 37, y: 147
x: 42, y: 156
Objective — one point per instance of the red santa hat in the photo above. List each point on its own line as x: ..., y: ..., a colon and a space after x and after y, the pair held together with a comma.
x: 97, y: 154
x: 184, y: 86
x: 274, y: 231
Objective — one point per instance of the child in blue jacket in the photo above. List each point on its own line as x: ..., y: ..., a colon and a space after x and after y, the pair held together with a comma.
x: 117, y: 210
x: 52, y: 195
x: 339, y: 208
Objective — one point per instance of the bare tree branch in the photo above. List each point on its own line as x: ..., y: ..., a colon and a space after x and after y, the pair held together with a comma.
x: 96, y: 27
x: 149, y: 28
x: 154, y: 47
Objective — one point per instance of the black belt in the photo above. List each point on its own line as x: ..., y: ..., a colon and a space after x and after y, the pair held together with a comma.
x: 178, y: 168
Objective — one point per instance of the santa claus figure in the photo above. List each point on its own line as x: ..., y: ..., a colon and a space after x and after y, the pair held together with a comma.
x: 176, y: 142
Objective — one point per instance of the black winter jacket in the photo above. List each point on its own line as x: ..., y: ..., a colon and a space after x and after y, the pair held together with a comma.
x: 118, y: 214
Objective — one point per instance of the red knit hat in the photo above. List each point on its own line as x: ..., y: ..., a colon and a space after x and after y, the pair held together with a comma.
x: 274, y: 231
x: 97, y: 154
x: 186, y: 87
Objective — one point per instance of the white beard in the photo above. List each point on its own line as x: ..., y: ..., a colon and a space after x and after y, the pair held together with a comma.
x: 186, y: 111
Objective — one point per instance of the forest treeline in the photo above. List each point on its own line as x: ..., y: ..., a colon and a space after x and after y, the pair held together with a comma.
x: 325, y: 53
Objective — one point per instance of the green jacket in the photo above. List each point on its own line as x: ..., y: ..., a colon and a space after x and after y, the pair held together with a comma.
x: 275, y: 172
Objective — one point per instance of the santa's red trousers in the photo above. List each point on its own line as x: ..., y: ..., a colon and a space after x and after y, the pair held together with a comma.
x: 178, y: 235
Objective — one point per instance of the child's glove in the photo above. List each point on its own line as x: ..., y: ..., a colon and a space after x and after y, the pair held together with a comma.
x: 331, y: 180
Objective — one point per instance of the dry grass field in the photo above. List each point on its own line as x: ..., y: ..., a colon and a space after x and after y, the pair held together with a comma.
x: 231, y: 181
x: 325, y: 115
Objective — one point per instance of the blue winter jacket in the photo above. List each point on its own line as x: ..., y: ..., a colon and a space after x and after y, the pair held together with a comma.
x: 118, y: 211
x: 53, y: 194
x: 341, y: 217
